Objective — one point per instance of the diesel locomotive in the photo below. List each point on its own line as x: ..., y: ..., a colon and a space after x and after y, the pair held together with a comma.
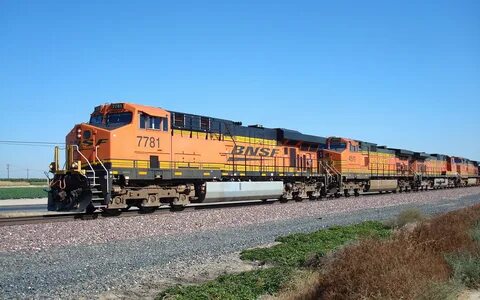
x: 134, y: 155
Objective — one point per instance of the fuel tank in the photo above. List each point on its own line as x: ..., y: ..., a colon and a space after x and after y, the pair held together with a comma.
x: 242, y: 190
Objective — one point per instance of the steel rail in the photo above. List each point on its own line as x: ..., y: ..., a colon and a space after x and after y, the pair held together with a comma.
x: 62, y: 217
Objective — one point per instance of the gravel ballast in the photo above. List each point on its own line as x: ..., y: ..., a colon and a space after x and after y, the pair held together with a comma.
x: 87, y: 258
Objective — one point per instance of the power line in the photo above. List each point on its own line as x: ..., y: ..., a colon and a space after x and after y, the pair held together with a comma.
x: 16, y: 168
x: 30, y: 143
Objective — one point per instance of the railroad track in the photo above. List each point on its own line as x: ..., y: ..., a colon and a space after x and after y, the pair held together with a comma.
x: 62, y: 217
x: 35, y: 219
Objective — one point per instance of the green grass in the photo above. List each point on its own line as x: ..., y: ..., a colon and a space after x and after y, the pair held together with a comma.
x: 442, y: 290
x: 246, y: 285
x: 476, y: 232
x: 31, y: 180
x: 466, y: 266
x: 22, y: 192
x: 466, y: 269
x: 296, y: 249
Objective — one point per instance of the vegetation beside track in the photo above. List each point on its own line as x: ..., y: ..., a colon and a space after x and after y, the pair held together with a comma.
x: 284, y: 262
x: 410, y: 258
x: 22, y: 182
x: 436, y: 259
x: 22, y: 193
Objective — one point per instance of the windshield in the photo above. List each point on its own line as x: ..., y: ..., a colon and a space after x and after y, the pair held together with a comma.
x: 96, y: 119
x: 118, y: 119
x: 338, y: 146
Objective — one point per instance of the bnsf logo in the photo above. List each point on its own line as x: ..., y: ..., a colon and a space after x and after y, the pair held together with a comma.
x: 254, y: 151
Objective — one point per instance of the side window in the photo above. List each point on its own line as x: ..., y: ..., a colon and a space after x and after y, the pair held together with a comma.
x: 165, y: 124
x: 144, y: 121
x: 151, y: 122
x: 155, y: 123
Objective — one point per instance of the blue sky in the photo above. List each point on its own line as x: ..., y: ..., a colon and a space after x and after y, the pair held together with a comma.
x: 401, y: 73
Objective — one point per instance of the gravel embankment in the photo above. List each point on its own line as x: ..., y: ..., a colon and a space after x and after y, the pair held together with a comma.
x: 87, y: 258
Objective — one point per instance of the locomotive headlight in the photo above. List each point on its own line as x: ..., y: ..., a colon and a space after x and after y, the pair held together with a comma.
x: 52, y: 167
x: 87, y: 134
x: 79, y: 133
x: 74, y: 165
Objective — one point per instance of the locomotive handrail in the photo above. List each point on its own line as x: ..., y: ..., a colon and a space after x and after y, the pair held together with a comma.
x: 330, y: 168
x: 103, y: 166
x: 413, y: 171
x: 81, y: 154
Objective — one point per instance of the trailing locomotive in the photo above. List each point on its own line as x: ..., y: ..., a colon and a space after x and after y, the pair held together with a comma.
x: 133, y: 155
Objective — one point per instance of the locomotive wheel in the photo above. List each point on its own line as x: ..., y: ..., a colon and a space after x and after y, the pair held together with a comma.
x: 112, y: 212
x: 176, y: 205
x: 127, y: 208
x: 146, y: 210
x: 346, y: 193
x: 283, y: 199
x: 356, y: 193
x: 84, y: 201
x: 90, y: 209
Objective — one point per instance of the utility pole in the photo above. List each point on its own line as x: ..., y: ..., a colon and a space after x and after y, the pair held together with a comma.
x: 8, y: 171
x: 27, y: 173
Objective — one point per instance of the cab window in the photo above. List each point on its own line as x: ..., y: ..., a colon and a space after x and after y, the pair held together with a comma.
x: 338, y: 146
x: 96, y: 120
x: 152, y: 122
x: 118, y: 119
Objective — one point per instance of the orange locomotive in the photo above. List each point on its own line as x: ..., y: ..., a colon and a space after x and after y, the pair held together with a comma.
x: 368, y: 167
x: 133, y: 155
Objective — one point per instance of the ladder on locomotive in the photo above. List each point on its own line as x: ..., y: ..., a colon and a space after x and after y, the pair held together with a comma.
x: 95, y: 187
x: 93, y: 178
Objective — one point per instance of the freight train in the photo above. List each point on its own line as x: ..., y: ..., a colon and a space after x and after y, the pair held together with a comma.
x: 131, y: 155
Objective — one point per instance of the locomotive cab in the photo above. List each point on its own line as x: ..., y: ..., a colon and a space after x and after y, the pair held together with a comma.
x: 344, y: 154
x: 93, y: 149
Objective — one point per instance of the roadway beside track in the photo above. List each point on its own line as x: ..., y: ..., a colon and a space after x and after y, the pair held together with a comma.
x: 23, y: 202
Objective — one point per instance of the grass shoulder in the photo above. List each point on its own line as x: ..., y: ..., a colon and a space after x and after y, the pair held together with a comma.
x: 22, y: 192
x: 281, y: 264
x: 294, y: 250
